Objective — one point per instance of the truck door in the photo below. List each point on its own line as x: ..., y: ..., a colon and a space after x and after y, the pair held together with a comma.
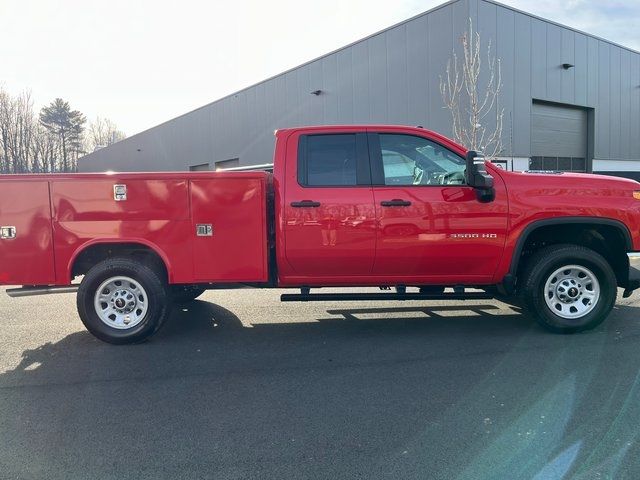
x: 328, y: 211
x: 431, y: 224
x: 26, y: 245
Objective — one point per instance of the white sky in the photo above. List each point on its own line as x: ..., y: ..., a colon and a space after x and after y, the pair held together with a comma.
x: 142, y: 62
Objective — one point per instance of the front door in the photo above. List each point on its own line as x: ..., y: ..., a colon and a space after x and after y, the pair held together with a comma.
x: 430, y: 224
x: 329, y: 216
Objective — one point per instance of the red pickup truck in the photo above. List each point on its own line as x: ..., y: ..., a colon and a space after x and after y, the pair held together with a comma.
x: 383, y: 206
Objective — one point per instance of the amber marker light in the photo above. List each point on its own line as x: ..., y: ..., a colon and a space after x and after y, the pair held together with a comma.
x: 636, y: 194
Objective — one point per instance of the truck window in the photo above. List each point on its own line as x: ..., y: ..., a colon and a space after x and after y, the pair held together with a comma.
x: 412, y: 160
x: 327, y: 160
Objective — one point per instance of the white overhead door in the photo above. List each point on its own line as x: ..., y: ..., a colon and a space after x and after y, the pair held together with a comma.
x: 558, y: 137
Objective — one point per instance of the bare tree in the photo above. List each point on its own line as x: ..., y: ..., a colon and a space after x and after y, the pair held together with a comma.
x: 474, y: 104
x: 45, y: 152
x: 24, y: 130
x: 18, y: 131
x: 6, y: 108
x: 101, y: 133
x: 50, y: 141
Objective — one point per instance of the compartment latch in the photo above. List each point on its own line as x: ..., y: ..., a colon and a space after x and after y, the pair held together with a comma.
x: 204, y: 230
x: 7, y: 233
x: 120, y: 193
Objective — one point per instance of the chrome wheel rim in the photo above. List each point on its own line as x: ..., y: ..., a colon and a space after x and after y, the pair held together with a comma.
x: 572, y: 291
x: 121, y: 302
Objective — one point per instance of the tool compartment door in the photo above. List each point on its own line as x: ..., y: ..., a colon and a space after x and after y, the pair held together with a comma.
x: 228, y: 214
x: 26, y: 244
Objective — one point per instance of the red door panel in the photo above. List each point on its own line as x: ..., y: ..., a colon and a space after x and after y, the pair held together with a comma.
x: 27, y: 258
x: 444, y: 232
x: 335, y: 238
x: 235, y: 208
x: 80, y: 199
x: 329, y: 229
x: 430, y: 224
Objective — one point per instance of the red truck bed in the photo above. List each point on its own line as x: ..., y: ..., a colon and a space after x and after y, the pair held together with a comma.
x: 161, y: 211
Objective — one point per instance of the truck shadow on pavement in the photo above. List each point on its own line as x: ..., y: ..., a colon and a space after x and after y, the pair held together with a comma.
x: 408, y: 394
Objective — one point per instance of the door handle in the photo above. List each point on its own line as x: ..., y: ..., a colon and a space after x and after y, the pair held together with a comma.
x: 396, y: 202
x: 305, y: 204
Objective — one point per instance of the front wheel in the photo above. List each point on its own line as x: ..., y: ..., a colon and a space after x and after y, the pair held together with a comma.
x: 123, y: 301
x: 569, y: 288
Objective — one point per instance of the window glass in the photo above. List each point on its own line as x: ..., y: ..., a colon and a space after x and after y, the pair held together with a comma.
x: 331, y: 160
x: 224, y: 164
x: 199, y: 168
x: 410, y: 160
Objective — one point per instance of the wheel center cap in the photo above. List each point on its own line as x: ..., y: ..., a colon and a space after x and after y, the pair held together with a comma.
x: 120, y: 303
x: 573, y: 292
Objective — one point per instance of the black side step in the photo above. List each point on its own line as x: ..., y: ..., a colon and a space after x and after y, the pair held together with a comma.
x: 337, y: 297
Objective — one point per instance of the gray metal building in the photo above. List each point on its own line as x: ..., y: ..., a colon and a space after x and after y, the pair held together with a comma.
x: 571, y: 100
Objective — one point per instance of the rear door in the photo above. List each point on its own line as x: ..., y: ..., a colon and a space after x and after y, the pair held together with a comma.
x: 329, y: 216
x: 431, y: 224
x: 26, y: 245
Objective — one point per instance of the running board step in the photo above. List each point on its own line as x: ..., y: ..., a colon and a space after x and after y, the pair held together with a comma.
x: 44, y: 290
x: 333, y: 297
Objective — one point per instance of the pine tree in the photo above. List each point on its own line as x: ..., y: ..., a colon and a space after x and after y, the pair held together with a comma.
x: 68, y: 126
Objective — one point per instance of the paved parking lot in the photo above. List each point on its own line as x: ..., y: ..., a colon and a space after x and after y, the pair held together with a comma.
x: 239, y: 385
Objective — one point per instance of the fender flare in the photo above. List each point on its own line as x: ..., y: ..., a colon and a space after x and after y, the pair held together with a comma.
x: 533, y: 226
x: 119, y: 241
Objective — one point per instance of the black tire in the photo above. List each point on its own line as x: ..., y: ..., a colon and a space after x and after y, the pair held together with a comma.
x: 185, y: 293
x: 152, y: 306
x: 569, y: 296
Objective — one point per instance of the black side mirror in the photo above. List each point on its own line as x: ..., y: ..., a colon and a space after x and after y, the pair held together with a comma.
x: 477, y: 177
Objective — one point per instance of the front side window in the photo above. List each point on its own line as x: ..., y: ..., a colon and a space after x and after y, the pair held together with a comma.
x: 328, y: 160
x: 411, y: 160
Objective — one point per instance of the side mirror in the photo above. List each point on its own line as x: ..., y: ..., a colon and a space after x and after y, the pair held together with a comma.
x: 477, y: 177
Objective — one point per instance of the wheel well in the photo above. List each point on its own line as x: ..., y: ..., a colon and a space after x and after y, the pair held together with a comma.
x: 608, y: 240
x: 93, y: 254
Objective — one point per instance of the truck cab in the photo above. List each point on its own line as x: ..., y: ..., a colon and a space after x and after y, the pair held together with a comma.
x: 382, y: 206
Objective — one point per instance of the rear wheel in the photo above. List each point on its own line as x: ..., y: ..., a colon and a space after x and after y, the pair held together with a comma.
x: 569, y: 288
x: 123, y: 301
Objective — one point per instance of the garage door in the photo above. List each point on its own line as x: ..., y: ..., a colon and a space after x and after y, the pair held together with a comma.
x: 558, y: 138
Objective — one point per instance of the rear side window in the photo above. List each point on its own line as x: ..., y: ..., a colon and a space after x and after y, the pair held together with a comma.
x: 327, y: 160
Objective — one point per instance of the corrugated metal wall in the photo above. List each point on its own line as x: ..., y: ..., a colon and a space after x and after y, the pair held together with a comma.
x: 605, y: 77
x: 393, y: 77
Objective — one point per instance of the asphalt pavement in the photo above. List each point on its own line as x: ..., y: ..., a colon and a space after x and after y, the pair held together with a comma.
x: 240, y: 386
